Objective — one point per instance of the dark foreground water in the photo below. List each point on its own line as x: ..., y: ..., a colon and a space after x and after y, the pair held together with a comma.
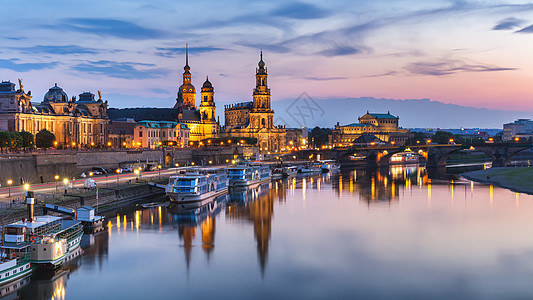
x: 393, y: 233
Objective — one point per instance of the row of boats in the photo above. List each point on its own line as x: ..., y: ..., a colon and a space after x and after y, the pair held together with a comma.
x: 197, y: 186
x: 41, y: 242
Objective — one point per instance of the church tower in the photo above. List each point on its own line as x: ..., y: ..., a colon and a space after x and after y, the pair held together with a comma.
x: 207, y: 105
x: 187, y: 92
x: 261, y: 115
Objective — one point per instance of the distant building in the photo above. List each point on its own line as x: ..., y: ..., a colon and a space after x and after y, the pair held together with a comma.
x: 521, y: 127
x: 121, y: 133
x: 382, y: 126
x: 255, y: 119
x: 296, y: 137
x: 151, y: 134
x: 74, y: 123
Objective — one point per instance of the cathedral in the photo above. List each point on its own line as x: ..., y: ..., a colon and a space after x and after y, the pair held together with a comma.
x: 74, y: 122
x: 201, y: 121
x: 255, y: 119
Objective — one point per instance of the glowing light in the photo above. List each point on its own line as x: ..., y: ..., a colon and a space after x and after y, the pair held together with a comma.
x: 26, y: 186
x: 108, y: 144
x: 10, y: 182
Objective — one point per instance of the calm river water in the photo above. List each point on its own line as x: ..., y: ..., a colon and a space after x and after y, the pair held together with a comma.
x: 394, y: 233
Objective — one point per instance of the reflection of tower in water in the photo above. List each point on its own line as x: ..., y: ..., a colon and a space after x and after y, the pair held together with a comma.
x: 258, y: 208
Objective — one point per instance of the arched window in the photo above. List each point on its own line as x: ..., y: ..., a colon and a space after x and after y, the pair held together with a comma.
x: 263, y: 122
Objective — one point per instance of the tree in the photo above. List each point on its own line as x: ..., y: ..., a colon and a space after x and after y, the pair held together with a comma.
x: 44, y: 139
x: 442, y: 137
x: 28, y: 140
x: 5, y: 139
x: 16, y: 140
x: 419, y: 137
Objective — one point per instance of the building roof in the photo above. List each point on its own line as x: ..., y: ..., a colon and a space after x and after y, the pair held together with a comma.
x: 382, y: 116
x: 358, y: 125
x: 139, y: 114
x: 86, y: 207
x: 157, y: 124
x: 123, y: 127
x: 190, y: 115
x: 55, y: 94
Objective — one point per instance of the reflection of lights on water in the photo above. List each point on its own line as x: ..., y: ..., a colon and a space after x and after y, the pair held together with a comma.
x: 471, y: 187
x: 118, y: 221
x: 159, y: 217
x: 517, y: 199
x: 340, y: 184
x: 491, y: 193
x: 373, y: 188
x: 137, y: 220
x: 429, y: 193
x: 59, y: 291
x: 393, y: 187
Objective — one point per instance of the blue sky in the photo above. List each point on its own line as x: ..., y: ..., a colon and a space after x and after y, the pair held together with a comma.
x: 472, y: 53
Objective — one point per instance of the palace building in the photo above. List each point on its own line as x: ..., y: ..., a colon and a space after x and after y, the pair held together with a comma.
x: 255, y: 119
x: 74, y: 122
x: 382, y: 126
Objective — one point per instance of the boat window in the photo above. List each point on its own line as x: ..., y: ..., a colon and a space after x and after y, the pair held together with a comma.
x: 185, y: 182
x: 236, y: 172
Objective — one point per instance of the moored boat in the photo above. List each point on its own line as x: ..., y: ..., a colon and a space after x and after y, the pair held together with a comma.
x: 277, y: 173
x: 289, y: 171
x: 197, y: 185
x: 245, y: 175
x: 329, y: 165
x: 405, y: 158
x: 15, y: 264
x: 310, y: 168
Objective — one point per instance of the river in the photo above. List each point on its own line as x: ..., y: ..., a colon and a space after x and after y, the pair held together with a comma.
x: 403, y: 232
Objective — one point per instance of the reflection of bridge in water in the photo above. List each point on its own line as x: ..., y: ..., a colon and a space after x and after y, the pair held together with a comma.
x: 500, y: 154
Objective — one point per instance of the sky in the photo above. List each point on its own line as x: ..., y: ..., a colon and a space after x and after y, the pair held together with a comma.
x: 470, y: 53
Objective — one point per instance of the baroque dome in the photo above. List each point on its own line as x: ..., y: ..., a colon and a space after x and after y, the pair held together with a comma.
x: 55, y: 94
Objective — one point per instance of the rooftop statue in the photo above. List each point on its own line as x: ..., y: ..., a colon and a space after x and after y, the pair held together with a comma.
x: 20, y: 84
x: 99, y: 95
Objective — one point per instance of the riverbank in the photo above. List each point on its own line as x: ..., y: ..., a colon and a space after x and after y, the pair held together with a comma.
x: 515, y: 179
x: 110, y: 198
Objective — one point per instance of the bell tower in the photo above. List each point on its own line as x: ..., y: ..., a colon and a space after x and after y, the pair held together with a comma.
x: 207, y: 104
x: 187, y: 92
x: 261, y: 115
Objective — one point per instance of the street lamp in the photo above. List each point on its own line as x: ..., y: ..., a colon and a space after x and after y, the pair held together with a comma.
x: 118, y: 172
x: 65, y: 182
x: 108, y: 144
x: 137, y: 174
x: 26, y: 188
x: 159, y: 167
x: 9, y: 183
x: 56, y: 178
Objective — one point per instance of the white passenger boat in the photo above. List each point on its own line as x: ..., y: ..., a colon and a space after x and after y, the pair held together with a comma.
x: 289, y: 171
x: 310, y: 168
x: 329, y: 165
x: 196, y: 185
x: 51, y: 238
x: 246, y: 175
x: 15, y: 264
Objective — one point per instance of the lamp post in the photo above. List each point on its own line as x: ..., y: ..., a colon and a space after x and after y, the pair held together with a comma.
x: 159, y: 167
x: 56, y: 178
x: 26, y: 188
x: 118, y: 172
x: 65, y: 182
x: 9, y: 183
x: 137, y: 174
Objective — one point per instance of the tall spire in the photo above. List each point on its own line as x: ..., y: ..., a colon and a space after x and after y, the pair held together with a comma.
x: 186, y: 54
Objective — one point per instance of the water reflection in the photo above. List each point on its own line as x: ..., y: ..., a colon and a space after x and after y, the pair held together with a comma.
x: 312, y: 233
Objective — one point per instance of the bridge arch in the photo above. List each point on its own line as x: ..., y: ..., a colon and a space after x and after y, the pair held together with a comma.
x: 444, y: 157
x: 512, y: 154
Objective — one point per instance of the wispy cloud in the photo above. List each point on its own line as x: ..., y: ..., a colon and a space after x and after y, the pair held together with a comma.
x: 110, y: 27
x: 171, y: 52
x: 528, y: 29
x: 12, y: 64
x: 325, y: 78
x: 445, y: 67
x: 299, y: 10
x: 61, y: 50
x: 127, y: 70
x: 343, y: 50
x: 508, y: 24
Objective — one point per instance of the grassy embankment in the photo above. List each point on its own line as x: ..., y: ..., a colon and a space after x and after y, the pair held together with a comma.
x: 515, y: 179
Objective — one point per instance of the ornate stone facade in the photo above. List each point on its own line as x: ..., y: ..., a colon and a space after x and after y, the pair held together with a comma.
x: 255, y: 119
x: 383, y: 126
x: 74, y: 123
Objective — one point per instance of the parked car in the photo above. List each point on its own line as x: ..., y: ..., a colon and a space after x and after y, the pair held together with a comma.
x: 126, y: 169
x: 98, y: 171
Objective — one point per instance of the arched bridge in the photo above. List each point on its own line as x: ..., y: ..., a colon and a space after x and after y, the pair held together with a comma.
x: 435, y: 155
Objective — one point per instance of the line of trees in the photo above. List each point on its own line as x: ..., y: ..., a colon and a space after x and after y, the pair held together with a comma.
x: 26, y: 140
